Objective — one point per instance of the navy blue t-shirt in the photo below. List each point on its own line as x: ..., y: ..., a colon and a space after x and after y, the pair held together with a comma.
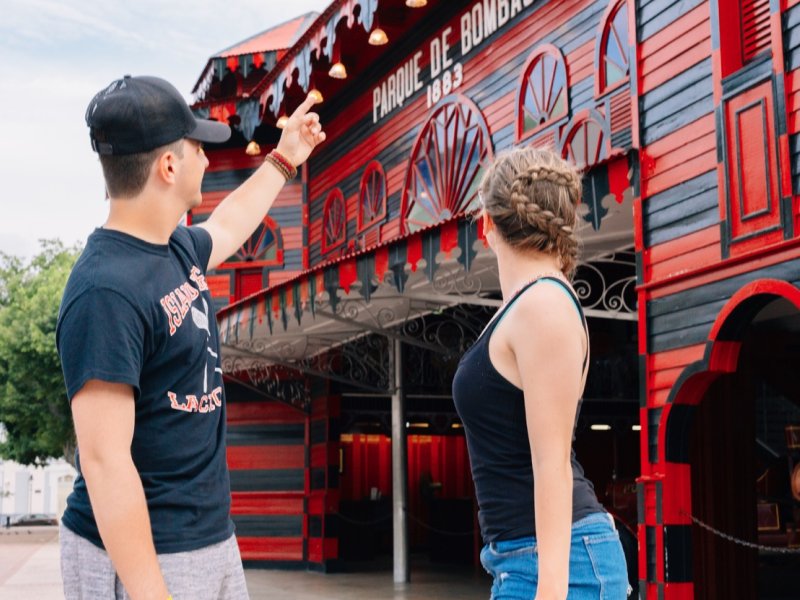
x: 141, y: 314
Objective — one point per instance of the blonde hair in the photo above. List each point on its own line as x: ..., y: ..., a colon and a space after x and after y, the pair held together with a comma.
x: 532, y: 195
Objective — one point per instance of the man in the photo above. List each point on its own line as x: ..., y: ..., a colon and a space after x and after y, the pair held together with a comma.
x: 149, y: 514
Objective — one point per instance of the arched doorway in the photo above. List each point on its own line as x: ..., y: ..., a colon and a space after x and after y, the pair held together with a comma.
x: 735, y: 422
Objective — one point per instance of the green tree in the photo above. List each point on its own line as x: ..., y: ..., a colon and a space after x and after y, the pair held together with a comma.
x: 34, y: 411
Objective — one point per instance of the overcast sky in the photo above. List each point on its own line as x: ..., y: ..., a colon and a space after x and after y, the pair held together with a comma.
x: 54, y: 56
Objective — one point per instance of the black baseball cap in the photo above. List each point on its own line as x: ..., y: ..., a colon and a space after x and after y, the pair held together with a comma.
x: 138, y: 114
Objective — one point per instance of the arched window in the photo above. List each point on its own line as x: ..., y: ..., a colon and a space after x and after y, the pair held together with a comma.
x: 586, y: 143
x: 446, y: 162
x: 372, y: 196
x: 542, y: 96
x: 334, y: 221
x: 262, y: 249
x: 612, y: 56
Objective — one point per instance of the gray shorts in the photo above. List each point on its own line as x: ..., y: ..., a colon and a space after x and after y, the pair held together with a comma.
x: 211, y: 573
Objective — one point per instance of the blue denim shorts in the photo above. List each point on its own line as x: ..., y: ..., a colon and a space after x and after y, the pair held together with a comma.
x: 597, y: 569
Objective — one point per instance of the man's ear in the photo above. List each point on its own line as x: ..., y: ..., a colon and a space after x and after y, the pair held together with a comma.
x: 165, y: 167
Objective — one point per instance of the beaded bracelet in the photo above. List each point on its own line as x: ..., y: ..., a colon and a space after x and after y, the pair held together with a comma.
x: 278, y: 166
x: 280, y: 162
x: 286, y: 163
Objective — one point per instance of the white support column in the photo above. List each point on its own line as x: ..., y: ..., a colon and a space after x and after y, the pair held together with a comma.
x: 399, y: 466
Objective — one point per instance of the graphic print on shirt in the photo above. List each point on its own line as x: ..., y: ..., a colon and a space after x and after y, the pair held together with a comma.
x: 177, y: 304
x: 200, y: 319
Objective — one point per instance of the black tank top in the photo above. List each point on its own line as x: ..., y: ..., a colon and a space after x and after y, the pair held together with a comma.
x: 492, y: 410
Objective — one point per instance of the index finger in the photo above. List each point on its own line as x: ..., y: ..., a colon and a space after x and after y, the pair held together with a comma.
x: 306, y: 105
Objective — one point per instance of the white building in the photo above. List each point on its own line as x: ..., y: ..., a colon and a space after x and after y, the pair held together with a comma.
x: 25, y: 489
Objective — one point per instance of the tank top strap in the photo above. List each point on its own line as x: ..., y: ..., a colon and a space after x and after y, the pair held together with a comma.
x: 570, y: 292
x: 567, y: 289
x: 574, y: 297
x: 487, y: 331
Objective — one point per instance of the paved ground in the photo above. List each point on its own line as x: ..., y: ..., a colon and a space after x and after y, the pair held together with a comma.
x: 29, y: 570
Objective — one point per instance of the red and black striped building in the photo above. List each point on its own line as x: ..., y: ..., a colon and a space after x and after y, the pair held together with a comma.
x: 350, y: 306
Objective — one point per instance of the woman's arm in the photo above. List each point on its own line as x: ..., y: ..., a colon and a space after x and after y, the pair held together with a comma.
x: 547, y: 341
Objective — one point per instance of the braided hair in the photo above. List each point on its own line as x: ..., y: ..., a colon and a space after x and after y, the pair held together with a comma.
x: 532, y: 196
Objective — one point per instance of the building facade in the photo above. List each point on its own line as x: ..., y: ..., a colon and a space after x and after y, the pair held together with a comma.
x: 345, y: 315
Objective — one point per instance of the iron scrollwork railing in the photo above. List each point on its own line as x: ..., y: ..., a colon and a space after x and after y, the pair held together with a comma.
x: 453, y: 280
x: 608, y: 283
x: 454, y: 329
x: 271, y: 380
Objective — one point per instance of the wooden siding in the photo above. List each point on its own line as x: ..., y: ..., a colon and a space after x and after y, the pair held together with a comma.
x: 685, y: 318
x: 681, y: 100
x: 227, y: 170
x: 266, y: 458
x: 681, y: 209
x: 664, y: 368
x: 679, y: 156
x: 791, y: 49
x: 678, y: 46
x: 214, y: 181
x: 322, y: 489
x: 655, y: 15
x: 679, y: 181
x: 682, y: 255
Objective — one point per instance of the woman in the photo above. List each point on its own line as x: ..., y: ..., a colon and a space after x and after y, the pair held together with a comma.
x: 518, y: 390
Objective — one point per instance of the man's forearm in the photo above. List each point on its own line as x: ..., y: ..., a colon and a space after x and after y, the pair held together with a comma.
x: 120, y: 509
x: 238, y: 215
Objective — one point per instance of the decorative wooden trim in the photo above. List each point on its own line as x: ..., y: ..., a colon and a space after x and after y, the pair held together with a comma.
x: 743, y: 215
x: 734, y: 87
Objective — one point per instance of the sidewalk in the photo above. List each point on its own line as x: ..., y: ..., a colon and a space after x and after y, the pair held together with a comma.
x: 29, y: 564
x: 29, y: 569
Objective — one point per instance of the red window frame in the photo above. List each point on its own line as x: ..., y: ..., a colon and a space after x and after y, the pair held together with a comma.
x: 549, y: 75
x: 334, y: 221
x: 579, y: 126
x: 373, y: 182
x: 607, y: 27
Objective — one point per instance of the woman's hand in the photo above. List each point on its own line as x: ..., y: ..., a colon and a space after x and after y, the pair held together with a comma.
x: 302, y: 134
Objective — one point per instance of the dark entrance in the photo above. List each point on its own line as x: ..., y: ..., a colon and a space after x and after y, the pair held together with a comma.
x: 744, y: 451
